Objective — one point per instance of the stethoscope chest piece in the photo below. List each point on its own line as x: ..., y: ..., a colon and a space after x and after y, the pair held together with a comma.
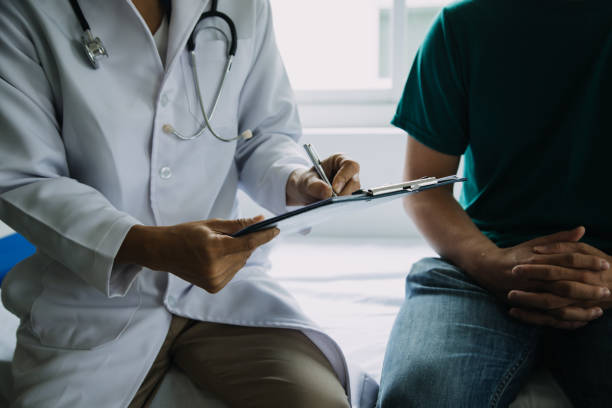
x: 94, y: 48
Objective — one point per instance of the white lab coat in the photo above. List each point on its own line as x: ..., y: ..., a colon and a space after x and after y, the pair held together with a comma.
x: 83, y: 158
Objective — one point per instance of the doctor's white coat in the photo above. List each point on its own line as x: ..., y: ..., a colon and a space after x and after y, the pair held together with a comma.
x: 83, y: 158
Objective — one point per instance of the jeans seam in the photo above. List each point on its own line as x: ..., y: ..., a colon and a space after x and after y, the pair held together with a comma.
x: 503, y: 385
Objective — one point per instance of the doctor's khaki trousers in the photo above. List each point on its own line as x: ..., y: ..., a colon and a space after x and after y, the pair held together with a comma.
x: 246, y: 366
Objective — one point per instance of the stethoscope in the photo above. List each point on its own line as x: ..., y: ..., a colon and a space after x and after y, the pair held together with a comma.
x: 94, y: 50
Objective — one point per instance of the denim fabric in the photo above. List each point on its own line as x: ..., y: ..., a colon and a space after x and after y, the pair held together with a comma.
x: 454, y: 345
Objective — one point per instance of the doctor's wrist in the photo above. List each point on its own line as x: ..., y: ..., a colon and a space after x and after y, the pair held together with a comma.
x: 293, y: 195
x: 304, y: 186
x: 141, y: 246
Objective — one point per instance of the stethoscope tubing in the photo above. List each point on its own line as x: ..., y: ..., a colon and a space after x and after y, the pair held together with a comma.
x: 207, y: 118
x: 80, y: 16
x: 100, y: 50
x: 231, y: 52
x: 211, y: 14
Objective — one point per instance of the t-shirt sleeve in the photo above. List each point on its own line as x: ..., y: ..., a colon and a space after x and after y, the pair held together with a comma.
x: 433, y: 107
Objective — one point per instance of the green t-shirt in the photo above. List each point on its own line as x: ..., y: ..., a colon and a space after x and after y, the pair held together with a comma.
x: 524, y: 90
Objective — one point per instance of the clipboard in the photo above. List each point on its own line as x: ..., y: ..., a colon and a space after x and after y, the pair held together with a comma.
x: 321, y: 211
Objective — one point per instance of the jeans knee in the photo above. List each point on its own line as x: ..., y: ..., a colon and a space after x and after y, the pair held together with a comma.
x: 409, y: 383
x: 393, y: 393
x: 430, y: 381
x: 436, y: 276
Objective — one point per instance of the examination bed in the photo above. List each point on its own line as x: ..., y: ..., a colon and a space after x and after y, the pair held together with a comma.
x: 352, y: 288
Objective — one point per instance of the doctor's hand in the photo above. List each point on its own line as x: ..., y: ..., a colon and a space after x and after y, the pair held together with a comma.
x: 305, y: 186
x: 202, y: 253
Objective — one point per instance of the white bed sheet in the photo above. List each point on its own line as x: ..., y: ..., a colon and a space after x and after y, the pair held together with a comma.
x: 352, y: 288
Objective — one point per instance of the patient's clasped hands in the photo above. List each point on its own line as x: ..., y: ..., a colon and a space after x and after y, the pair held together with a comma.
x: 550, y: 281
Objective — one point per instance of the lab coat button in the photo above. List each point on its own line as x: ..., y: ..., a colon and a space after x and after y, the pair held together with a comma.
x: 164, y: 100
x: 165, y: 172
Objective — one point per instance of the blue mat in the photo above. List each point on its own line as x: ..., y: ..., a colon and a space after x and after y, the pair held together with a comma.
x: 13, y: 249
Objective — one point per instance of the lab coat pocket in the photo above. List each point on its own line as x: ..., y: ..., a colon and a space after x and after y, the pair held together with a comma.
x: 70, y: 314
x: 210, y: 65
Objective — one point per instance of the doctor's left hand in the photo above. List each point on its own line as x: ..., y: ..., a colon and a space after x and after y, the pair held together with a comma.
x: 305, y: 186
x: 202, y: 253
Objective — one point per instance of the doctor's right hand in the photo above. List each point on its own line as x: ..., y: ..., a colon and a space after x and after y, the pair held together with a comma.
x: 305, y: 186
x: 203, y: 253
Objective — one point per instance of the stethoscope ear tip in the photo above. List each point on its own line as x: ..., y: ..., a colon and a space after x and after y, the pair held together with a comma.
x: 247, y: 134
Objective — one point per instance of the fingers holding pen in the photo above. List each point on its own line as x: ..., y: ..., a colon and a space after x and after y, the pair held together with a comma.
x: 336, y: 174
x: 351, y: 186
x: 315, y: 188
x: 344, y: 172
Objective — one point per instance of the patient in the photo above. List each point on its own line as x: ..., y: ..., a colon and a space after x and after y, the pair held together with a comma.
x: 524, y: 91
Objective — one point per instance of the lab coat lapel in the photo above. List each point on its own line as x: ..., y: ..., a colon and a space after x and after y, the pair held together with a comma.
x: 182, y: 23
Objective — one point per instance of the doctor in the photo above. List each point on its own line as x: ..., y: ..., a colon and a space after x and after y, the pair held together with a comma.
x: 104, y: 170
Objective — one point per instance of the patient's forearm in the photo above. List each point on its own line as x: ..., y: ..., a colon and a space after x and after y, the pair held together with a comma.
x: 442, y: 221
x: 448, y: 228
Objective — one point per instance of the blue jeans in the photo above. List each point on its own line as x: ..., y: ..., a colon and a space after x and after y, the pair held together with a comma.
x: 454, y: 345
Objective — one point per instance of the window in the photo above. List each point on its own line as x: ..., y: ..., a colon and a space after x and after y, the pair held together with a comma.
x: 335, y: 44
x: 348, y: 59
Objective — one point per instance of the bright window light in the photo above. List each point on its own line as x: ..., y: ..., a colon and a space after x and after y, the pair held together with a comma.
x: 348, y: 59
x: 334, y: 44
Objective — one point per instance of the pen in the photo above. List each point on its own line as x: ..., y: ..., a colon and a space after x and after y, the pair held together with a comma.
x: 316, y: 162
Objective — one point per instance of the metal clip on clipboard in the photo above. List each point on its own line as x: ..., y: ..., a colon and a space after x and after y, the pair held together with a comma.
x: 320, y: 211
x: 413, y: 185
